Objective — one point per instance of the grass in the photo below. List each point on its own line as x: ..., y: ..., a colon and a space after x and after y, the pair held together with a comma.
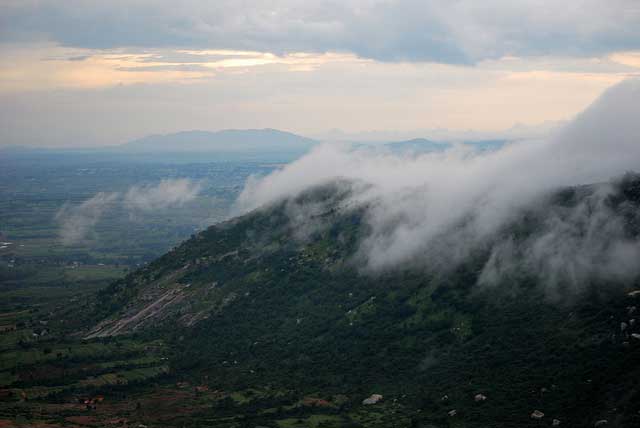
x: 125, y: 377
x: 78, y: 351
x: 7, y: 378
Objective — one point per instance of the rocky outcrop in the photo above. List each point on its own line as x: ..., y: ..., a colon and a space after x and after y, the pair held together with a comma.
x: 537, y: 414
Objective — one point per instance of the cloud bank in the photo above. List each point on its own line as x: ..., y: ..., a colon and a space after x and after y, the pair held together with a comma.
x: 437, y: 208
x: 76, y: 223
x: 464, y: 31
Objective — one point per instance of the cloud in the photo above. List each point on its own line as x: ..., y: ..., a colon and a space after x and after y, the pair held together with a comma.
x: 436, y: 209
x: 77, y: 223
x: 168, y: 193
x: 573, y: 245
x: 460, y: 32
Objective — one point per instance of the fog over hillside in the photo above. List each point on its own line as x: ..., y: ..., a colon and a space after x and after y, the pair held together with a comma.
x: 437, y: 207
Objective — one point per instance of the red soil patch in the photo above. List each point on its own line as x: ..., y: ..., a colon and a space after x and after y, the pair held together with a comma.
x: 117, y: 421
x: 315, y: 402
x: 82, y: 420
x: 42, y: 425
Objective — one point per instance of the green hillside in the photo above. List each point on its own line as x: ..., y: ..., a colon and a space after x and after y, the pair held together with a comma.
x: 259, y: 305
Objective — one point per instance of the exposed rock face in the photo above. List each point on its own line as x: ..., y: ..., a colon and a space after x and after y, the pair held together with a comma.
x: 137, y: 317
x: 170, y: 298
x: 373, y: 399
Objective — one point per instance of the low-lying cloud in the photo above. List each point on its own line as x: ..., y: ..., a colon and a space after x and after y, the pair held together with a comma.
x: 437, y: 208
x: 76, y: 223
x: 167, y: 193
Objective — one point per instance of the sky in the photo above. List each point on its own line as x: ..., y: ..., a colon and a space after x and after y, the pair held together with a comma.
x: 93, y: 73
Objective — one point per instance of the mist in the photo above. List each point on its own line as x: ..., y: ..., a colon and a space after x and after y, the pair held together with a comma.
x: 437, y: 208
x: 167, y: 193
x: 77, y: 223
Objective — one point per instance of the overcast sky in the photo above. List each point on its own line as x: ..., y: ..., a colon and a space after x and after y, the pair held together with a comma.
x: 93, y: 72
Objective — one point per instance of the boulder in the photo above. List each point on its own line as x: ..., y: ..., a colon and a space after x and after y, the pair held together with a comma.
x: 555, y: 423
x: 373, y: 399
x: 537, y: 414
x: 452, y: 412
x: 601, y: 423
x: 480, y: 397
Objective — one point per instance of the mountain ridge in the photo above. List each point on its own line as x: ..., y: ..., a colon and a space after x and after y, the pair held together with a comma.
x: 227, y: 140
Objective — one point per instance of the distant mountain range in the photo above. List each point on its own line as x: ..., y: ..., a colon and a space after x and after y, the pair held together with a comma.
x: 417, y: 145
x: 271, y: 141
x: 422, y: 145
x: 263, y: 145
x: 225, y: 141
x: 229, y: 144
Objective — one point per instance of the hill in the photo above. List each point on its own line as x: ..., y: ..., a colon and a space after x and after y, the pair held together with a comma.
x: 225, y: 141
x: 417, y: 145
x: 267, y: 304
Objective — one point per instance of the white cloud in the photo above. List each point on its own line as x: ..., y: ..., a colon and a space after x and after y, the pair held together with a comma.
x: 168, y: 193
x: 77, y: 223
x: 464, y: 31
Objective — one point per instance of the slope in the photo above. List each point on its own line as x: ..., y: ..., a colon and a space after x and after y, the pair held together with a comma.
x: 273, y: 300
